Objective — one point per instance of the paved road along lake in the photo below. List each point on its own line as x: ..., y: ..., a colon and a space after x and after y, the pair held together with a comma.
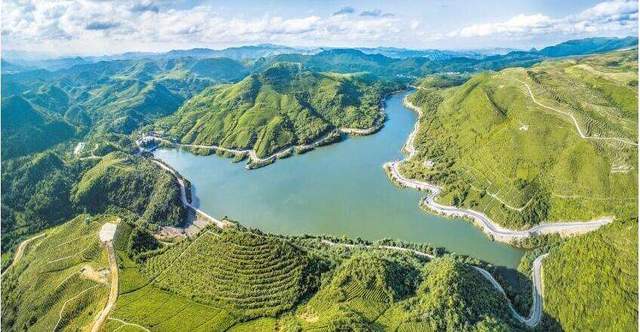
x: 340, y: 189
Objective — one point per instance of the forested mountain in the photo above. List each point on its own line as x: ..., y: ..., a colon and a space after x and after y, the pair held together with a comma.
x: 282, y: 106
x: 26, y: 130
x: 242, y: 279
x: 45, y: 189
x: 410, y: 68
x: 588, y: 46
x: 42, y: 108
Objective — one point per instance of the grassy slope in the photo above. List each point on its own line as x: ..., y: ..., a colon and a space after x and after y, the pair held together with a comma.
x: 487, y: 139
x: 49, y: 274
x: 591, y: 282
x: 280, y: 107
x: 373, y: 290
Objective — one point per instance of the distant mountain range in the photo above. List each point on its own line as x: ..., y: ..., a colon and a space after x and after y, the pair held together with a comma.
x: 15, y: 61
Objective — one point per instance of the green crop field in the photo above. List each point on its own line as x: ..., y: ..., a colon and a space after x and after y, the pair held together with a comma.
x: 257, y: 276
x: 61, y: 282
x: 496, y: 150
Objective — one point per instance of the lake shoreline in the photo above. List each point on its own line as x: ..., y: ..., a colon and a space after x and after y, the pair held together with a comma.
x: 351, y: 196
x: 492, y: 229
x: 333, y: 136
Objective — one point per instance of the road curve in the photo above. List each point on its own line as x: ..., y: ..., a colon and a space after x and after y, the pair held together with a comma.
x: 253, y: 156
x: 20, y: 251
x: 575, y: 122
x: 492, y: 229
x: 113, y: 291
x: 183, y: 197
x: 535, y: 313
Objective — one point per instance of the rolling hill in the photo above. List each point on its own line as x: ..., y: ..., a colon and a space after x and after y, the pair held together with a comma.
x: 244, y: 280
x: 591, y: 281
x: 557, y: 141
x: 119, y: 180
x: 283, y: 106
x: 102, y: 97
x: 26, y: 129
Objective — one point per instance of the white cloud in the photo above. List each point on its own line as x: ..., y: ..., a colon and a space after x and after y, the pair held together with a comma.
x: 607, y: 17
x: 97, y: 27
x: 92, y: 27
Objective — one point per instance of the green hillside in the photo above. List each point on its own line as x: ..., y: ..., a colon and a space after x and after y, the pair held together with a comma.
x: 35, y: 195
x: 119, y: 180
x: 45, y: 189
x: 26, y: 130
x: 283, y: 106
x: 257, y: 276
x: 44, y: 108
x: 591, y: 282
x: 244, y: 280
x: 61, y: 282
x: 496, y: 150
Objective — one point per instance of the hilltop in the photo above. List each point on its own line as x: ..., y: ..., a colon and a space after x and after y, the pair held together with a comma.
x: 557, y: 141
x: 283, y: 106
x: 247, y: 280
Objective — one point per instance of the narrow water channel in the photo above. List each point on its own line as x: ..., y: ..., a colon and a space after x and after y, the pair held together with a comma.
x: 340, y: 189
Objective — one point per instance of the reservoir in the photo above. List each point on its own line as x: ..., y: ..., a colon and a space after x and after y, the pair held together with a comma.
x: 340, y: 189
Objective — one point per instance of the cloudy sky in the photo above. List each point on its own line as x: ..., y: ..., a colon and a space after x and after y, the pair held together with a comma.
x: 65, y: 27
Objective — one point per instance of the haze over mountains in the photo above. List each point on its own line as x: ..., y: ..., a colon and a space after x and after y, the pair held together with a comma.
x: 14, y: 61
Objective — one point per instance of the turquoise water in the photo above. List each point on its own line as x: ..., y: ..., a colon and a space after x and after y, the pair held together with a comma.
x: 340, y: 189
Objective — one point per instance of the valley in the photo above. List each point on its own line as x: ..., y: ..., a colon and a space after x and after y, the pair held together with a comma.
x: 436, y: 192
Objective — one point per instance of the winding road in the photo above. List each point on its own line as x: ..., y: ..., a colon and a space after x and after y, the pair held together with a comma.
x: 492, y: 229
x: 183, y: 197
x: 535, y: 313
x: 20, y: 251
x: 253, y: 156
x: 575, y: 122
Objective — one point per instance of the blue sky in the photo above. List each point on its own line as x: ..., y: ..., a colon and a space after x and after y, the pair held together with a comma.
x: 82, y: 27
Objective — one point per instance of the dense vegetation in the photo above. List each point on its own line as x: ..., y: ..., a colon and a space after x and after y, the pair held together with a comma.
x: 45, y: 189
x: 591, y: 281
x: 495, y: 150
x: 26, y: 130
x: 252, y: 281
x: 60, y: 283
x: 42, y: 108
x: 36, y: 194
x: 119, y: 180
x: 408, y: 68
x: 256, y: 276
x: 46, y: 113
x: 283, y: 106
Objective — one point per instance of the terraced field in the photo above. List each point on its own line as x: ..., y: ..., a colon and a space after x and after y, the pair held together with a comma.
x: 61, y: 281
x: 553, y: 142
x: 248, y: 274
